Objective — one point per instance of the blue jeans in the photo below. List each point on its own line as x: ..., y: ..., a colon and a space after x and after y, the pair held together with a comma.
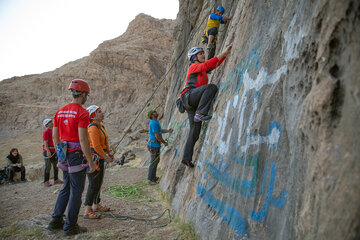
x: 70, y: 194
x: 154, y: 161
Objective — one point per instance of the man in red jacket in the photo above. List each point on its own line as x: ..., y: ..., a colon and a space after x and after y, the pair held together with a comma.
x: 198, y: 95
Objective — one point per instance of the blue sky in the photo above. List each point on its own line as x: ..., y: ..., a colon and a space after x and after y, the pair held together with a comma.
x: 40, y: 35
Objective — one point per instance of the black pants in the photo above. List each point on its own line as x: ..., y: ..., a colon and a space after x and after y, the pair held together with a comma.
x: 13, y: 169
x: 95, y: 181
x: 200, y: 99
x: 48, y: 163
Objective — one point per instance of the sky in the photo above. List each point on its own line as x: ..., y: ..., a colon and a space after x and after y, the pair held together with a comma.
x: 37, y: 36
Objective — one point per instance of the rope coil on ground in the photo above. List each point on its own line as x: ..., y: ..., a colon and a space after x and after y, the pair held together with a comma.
x: 148, y: 221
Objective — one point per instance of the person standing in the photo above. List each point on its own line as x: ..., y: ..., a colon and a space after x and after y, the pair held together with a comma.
x: 198, y: 95
x: 100, y: 150
x: 70, y: 128
x: 15, y: 164
x: 154, y: 144
x: 49, y: 154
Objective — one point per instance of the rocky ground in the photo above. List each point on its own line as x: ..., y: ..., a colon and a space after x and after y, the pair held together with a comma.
x: 26, y: 206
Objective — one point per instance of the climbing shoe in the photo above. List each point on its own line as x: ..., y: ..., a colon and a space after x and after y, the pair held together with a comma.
x: 188, y: 164
x: 211, y: 45
x: 204, y: 39
x: 199, y: 118
x: 74, y: 230
x: 56, y: 223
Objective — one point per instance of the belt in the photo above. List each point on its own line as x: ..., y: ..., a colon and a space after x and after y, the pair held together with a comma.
x: 154, y: 141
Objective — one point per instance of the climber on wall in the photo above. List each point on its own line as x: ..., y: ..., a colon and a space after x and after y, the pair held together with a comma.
x: 198, y: 95
x: 212, y: 28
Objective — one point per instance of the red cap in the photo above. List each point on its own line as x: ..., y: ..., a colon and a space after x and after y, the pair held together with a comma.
x: 79, y: 85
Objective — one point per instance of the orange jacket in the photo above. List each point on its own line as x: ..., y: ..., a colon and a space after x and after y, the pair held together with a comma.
x: 98, y: 141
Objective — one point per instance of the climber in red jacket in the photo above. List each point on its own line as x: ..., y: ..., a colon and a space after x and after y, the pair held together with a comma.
x: 198, y: 95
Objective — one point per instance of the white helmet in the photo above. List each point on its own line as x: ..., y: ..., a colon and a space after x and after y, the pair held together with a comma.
x: 91, y: 109
x: 194, y: 51
x: 46, y: 121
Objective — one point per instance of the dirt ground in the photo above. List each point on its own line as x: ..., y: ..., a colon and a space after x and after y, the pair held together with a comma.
x: 23, y: 201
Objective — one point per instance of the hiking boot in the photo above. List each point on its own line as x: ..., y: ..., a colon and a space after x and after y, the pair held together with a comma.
x: 56, y: 223
x: 58, y: 181
x: 74, y: 230
x: 199, y: 118
x: 188, y: 164
x: 47, y: 184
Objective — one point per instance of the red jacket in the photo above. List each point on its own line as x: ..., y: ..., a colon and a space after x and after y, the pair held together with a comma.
x: 197, y: 76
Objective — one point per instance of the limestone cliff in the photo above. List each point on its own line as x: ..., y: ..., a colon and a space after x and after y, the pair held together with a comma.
x: 280, y: 157
x: 122, y: 74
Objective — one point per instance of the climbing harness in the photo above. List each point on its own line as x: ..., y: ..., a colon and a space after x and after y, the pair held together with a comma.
x: 63, y: 162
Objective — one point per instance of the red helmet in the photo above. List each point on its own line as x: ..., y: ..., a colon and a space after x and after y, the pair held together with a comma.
x: 79, y: 85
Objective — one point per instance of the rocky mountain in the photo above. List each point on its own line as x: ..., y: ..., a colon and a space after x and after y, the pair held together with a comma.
x: 122, y: 74
x: 280, y: 157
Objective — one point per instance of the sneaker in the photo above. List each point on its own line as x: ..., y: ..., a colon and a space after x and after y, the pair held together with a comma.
x: 24, y: 180
x: 11, y: 182
x: 56, y: 223
x: 189, y: 164
x: 47, y: 184
x: 199, y: 118
x: 58, y: 181
x: 74, y: 230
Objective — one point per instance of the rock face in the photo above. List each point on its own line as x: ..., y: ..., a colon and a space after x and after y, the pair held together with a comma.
x: 280, y: 157
x: 122, y: 74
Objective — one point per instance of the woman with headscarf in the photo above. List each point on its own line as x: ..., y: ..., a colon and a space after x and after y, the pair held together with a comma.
x: 100, y: 150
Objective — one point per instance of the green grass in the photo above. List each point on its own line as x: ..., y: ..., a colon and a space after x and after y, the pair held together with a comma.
x: 187, y: 230
x: 165, y: 197
x: 17, y: 232
x: 131, y: 192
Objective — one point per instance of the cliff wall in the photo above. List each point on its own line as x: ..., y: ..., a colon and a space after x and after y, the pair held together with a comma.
x: 280, y: 157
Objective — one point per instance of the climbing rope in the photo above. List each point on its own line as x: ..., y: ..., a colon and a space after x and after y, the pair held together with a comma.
x: 162, y: 80
x: 148, y: 221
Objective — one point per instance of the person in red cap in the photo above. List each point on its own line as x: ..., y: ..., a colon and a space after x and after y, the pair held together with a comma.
x: 70, y: 130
